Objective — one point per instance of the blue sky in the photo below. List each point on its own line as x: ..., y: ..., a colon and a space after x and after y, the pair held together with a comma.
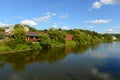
x: 96, y: 15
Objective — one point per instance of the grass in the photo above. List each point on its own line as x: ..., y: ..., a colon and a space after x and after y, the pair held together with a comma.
x: 19, y: 47
x: 68, y: 43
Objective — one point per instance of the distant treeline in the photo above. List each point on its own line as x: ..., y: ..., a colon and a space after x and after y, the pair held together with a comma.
x: 116, y: 35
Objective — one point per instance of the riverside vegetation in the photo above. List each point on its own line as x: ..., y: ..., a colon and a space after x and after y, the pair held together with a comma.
x: 49, y: 38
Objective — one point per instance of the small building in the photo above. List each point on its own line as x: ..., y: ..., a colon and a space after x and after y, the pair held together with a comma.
x: 114, y: 38
x: 32, y: 36
x: 69, y: 37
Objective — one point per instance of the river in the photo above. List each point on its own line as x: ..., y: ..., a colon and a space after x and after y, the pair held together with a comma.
x: 85, y: 62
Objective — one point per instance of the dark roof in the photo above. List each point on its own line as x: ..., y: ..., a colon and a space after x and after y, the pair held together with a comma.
x: 36, y: 34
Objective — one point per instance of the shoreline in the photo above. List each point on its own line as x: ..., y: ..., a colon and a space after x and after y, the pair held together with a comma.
x: 19, y: 51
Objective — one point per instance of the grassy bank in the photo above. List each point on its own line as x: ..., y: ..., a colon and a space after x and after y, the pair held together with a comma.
x: 24, y: 47
x: 19, y: 47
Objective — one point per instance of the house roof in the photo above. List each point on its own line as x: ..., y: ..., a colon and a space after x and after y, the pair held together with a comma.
x: 36, y: 34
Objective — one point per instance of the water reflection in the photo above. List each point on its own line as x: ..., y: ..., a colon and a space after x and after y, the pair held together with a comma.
x: 53, y: 55
x: 84, y: 62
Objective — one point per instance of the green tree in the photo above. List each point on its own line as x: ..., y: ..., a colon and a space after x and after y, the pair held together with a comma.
x: 1, y: 33
x: 107, y: 38
x: 11, y: 43
x: 79, y: 37
x: 45, y: 40
x: 19, y: 34
x: 57, y: 36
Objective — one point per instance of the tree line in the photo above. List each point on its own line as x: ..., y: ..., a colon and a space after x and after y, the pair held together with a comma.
x: 56, y: 37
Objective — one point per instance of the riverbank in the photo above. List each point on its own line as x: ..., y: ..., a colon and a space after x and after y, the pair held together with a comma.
x: 27, y: 47
x: 4, y: 49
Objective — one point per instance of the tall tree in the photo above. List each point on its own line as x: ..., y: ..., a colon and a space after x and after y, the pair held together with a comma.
x: 80, y: 37
x: 19, y: 34
x: 57, y: 36
x: 45, y: 40
x: 1, y: 33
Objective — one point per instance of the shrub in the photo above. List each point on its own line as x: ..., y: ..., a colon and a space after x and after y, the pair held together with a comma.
x: 22, y: 47
x: 4, y: 48
x: 11, y: 43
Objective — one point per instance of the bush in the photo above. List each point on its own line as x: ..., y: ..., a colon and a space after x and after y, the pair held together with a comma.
x: 22, y: 47
x: 45, y: 40
x: 11, y: 43
x: 4, y: 48
x: 29, y: 43
x: 35, y: 46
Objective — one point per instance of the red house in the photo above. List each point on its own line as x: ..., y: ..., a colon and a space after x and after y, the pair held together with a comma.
x: 32, y: 36
x: 69, y: 37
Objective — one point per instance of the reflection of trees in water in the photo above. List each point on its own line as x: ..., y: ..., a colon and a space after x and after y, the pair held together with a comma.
x: 53, y: 55
x: 80, y: 49
x: 20, y: 60
x: 1, y: 64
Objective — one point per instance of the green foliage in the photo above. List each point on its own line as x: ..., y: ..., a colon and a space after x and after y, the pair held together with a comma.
x: 11, y: 43
x: 57, y: 36
x: 53, y: 38
x: 22, y: 47
x: 107, y: 38
x: 86, y: 37
x: 79, y: 37
x: 35, y: 46
x: 19, y: 34
x: 45, y: 40
x: 5, y: 48
x: 18, y: 26
x: 70, y: 43
x: 31, y: 29
x: 1, y: 35
x: 1, y: 29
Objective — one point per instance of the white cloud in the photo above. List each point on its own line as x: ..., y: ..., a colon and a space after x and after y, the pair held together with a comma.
x: 65, y: 27
x: 54, y: 27
x: 2, y: 24
x: 110, y: 2
x: 103, y: 76
x: 100, y: 3
x: 45, y: 18
x: 50, y: 14
x: 90, y: 27
x: 96, y: 5
x: 111, y: 30
x: 62, y: 16
x: 114, y: 29
x: 100, y: 21
x: 29, y: 22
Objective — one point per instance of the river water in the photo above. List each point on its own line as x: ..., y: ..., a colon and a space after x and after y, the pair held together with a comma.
x: 85, y: 62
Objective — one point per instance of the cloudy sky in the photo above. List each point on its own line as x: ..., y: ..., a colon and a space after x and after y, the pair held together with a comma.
x: 96, y: 15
